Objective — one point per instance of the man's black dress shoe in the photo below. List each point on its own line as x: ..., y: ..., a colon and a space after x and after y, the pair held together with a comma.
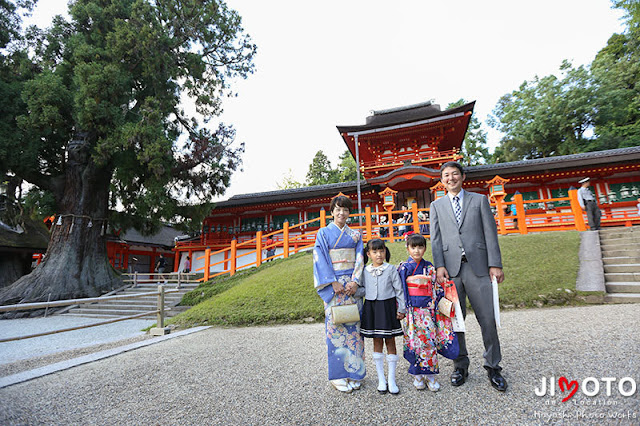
x: 497, y: 381
x: 459, y: 376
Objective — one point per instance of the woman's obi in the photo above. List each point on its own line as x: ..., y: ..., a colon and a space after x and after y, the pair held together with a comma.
x: 343, y: 259
x: 419, y: 285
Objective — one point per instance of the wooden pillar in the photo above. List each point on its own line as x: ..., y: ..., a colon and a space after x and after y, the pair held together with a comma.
x: 285, y: 239
x: 232, y: 257
x: 207, y: 263
x: 323, y: 218
x: 414, y: 216
x: 368, y: 228
x: 521, y: 215
x: 258, y: 248
x: 176, y: 261
x: 152, y: 266
x: 502, y: 229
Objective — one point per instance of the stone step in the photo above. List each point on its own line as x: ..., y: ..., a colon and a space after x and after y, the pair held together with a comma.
x: 620, y: 242
x: 621, y: 252
x: 624, y: 229
x: 622, y: 298
x: 103, y: 316
x: 622, y: 287
x: 126, y: 307
x: 621, y: 277
x: 620, y: 260
x: 109, y: 313
x: 137, y: 302
x: 628, y: 267
x: 140, y: 288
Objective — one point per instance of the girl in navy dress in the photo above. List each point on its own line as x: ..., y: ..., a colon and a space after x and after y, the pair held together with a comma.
x: 383, y: 308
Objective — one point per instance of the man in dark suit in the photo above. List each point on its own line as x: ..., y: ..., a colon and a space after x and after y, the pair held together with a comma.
x: 464, y: 242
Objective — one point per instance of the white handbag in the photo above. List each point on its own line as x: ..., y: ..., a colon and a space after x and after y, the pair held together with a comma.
x: 342, y: 314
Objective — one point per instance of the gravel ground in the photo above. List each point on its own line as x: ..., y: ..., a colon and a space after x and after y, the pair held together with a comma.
x: 46, y: 345
x: 269, y: 375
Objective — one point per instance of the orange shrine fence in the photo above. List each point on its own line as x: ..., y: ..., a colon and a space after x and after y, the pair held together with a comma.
x: 541, y: 215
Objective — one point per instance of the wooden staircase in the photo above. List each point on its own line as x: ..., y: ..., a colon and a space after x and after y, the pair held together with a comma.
x: 621, y: 259
x: 126, y: 307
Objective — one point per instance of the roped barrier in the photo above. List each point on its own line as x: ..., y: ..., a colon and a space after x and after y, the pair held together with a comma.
x: 159, y: 329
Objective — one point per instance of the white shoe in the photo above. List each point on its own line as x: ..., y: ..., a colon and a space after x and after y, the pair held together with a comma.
x: 355, y: 384
x: 342, y: 385
x: 434, y: 386
x: 418, y: 382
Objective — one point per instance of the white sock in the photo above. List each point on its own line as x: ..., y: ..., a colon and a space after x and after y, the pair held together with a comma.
x: 378, y: 359
x: 392, y: 360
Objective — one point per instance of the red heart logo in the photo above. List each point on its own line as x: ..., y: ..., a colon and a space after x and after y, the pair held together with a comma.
x: 571, y: 385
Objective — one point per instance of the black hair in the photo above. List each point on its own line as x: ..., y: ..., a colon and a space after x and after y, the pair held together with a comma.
x: 416, y: 240
x: 376, y: 244
x: 452, y: 164
x: 341, y: 201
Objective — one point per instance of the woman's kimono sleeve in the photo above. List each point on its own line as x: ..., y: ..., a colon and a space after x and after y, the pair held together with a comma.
x: 323, y: 273
x: 358, y: 267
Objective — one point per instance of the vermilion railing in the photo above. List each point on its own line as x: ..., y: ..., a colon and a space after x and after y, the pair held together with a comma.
x: 293, y: 239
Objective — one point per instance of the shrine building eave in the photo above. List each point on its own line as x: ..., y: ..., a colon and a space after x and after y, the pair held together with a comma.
x: 404, y: 115
x: 303, y: 194
x: 583, y: 160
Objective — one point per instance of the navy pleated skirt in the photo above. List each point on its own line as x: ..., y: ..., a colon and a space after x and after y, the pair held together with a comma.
x: 379, y: 319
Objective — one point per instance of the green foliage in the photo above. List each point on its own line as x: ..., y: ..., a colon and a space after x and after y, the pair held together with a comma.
x: 554, y: 115
x: 115, y: 76
x: 282, y: 292
x: 616, y: 74
x: 347, y: 168
x: 320, y: 171
x: 11, y: 19
x: 474, y: 146
x: 545, y: 117
x: 40, y: 204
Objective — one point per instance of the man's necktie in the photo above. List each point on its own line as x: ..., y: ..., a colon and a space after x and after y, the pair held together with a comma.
x: 457, y: 210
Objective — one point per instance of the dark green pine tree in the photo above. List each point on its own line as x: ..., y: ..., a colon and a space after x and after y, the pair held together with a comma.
x: 91, y: 112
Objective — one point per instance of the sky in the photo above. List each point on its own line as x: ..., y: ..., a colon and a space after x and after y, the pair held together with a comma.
x: 323, y: 64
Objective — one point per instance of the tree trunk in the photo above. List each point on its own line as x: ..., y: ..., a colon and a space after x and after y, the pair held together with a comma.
x: 76, y: 263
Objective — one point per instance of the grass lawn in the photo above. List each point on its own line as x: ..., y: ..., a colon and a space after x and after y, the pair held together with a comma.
x: 540, y: 269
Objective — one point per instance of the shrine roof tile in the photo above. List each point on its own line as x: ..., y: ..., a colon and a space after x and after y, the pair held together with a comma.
x: 290, y: 194
x: 559, y: 162
x: 403, y: 115
x: 165, y: 237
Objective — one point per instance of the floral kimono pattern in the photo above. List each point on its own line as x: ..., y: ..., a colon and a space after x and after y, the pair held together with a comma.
x: 345, y: 345
x: 426, y: 331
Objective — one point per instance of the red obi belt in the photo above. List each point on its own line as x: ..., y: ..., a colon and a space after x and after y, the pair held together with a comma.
x: 419, y: 285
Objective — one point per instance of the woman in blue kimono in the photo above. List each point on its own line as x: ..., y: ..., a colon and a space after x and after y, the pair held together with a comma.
x: 337, y: 266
